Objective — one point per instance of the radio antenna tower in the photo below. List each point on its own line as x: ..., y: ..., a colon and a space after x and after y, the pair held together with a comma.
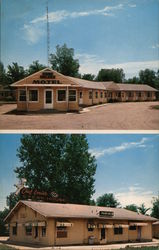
x: 48, y: 35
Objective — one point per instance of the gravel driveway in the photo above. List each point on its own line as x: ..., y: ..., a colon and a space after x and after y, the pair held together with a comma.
x: 111, y: 116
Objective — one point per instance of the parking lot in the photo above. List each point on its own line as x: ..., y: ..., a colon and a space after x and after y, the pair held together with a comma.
x: 111, y: 116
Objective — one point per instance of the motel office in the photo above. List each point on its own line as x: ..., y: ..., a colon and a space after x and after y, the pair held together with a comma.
x: 56, y: 224
x: 48, y: 89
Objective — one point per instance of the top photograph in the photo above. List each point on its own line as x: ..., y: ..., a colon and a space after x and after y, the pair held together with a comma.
x: 79, y: 65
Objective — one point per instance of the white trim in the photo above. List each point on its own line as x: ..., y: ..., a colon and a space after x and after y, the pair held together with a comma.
x: 29, y: 95
x: 57, y: 96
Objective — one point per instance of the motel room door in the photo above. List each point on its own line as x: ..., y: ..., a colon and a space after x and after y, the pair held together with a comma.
x: 80, y: 98
x: 48, y: 99
x: 102, y: 236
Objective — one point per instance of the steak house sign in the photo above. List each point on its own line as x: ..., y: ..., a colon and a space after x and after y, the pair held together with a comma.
x: 34, y: 194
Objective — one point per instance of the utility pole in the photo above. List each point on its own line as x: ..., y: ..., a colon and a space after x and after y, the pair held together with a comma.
x: 48, y: 35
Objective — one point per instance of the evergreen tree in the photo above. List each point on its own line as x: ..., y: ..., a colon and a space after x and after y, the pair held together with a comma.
x: 155, y: 208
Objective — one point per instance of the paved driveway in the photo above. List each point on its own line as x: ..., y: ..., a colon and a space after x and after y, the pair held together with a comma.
x: 111, y: 116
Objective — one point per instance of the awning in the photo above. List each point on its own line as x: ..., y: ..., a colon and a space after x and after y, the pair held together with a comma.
x: 28, y: 224
x: 121, y: 225
x: 141, y: 224
x: 63, y: 224
x: 42, y: 223
x: 105, y: 226
x: 91, y: 225
x: 13, y: 224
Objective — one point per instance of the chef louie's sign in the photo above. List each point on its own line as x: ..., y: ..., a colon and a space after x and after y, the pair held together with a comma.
x: 34, y: 194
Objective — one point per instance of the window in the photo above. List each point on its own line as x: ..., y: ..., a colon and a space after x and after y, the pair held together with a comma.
x: 33, y: 95
x: 96, y: 94
x: 119, y: 94
x: 14, y: 230
x: 101, y: 94
x: 122, y: 94
x: 118, y: 230
x: 130, y: 94
x: 72, y: 95
x: 139, y: 94
x: 90, y: 94
x: 28, y: 230
x: 61, y: 232
x: 22, y: 95
x: 90, y: 229
x: 43, y: 231
x: 61, y: 96
x: 132, y: 227
x: 105, y: 94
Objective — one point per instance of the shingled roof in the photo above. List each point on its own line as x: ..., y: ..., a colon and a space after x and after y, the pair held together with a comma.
x: 135, y: 87
x: 57, y: 210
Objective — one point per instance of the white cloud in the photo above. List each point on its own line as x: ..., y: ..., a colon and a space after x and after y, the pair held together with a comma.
x: 58, y: 16
x: 32, y: 33
x: 124, y: 146
x: 135, y: 194
x: 156, y: 46
x: 132, y: 5
x: 92, y: 63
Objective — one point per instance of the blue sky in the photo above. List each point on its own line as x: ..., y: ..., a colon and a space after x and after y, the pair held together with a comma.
x: 127, y: 165
x: 104, y: 33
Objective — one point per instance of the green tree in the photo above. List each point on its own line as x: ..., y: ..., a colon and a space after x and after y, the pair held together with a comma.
x: 89, y: 77
x: 3, y: 75
x: 15, y: 72
x: 147, y: 76
x: 155, y: 207
x: 59, y: 163
x: 63, y: 61
x: 116, y: 75
x: 12, y: 199
x: 132, y: 207
x: 142, y: 209
x: 107, y: 200
x: 80, y: 168
x: 134, y: 80
x: 3, y: 229
x: 35, y: 67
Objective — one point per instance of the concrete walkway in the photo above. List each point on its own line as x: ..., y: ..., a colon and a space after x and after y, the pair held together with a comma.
x: 155, y: 242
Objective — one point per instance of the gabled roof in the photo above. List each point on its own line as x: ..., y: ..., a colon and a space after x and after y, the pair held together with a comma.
x: 58, y: 210
x: 72, y: 81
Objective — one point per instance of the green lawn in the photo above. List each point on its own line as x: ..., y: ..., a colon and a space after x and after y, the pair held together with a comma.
x: 4, y: 247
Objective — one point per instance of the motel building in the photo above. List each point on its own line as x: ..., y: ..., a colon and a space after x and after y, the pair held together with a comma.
x: 48, y: 89
x: 55, y: 224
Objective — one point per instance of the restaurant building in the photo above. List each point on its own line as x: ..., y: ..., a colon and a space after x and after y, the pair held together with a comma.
x: 155, y: 229
x: 48, y: 89
x: 55, y: 224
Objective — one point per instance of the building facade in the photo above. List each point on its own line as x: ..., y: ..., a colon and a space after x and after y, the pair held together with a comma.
x: 155, y: 229
x: 68, y: 224
x: 48, y: 89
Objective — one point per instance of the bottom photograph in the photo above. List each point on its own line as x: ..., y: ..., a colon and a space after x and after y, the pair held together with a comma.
x: 79, y: 191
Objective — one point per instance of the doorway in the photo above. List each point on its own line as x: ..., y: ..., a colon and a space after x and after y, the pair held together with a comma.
x: 48, y: 99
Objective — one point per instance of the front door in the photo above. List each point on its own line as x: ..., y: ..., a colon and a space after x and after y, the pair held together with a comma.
x: 48, y: 99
